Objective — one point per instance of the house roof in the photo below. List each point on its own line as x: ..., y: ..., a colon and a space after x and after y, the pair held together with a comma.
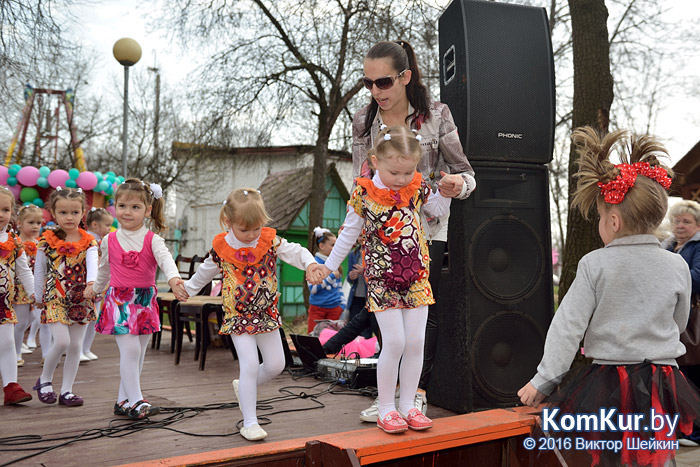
x: 687, y: 173
x: 180, y: 149
x: 286, y: 193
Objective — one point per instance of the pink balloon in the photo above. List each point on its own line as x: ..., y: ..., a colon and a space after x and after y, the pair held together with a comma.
x: 15, y: 190
x: 111, y: 211
x: 87, y: 180
x: 28, y: 175
x: 46, y: 215
x: 3, y: 175
x: 364, y: 347
x: 58, y: 177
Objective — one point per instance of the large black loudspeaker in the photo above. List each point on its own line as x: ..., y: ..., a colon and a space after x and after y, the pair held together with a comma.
x: 497, y: 77
x: 496, y: 297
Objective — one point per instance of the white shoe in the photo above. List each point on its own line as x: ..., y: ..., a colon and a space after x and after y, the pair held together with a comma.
x: 84, y: 358
x: 235, y: 390
x: 689, y: 443
x: 31, y: 344
x: 371, y: 414
x: 253, y: 433
x: 26, y: 349
x: 90, y: 355
x: 420, y: 401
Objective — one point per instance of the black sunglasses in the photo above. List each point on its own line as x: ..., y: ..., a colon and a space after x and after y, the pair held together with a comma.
x: 381, y: 83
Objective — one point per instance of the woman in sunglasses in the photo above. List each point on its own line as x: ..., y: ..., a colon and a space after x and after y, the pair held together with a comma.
x: 400, y: 98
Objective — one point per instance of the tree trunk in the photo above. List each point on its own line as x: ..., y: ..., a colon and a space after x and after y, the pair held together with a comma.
x: 318, y: 190
x: 593, y: 96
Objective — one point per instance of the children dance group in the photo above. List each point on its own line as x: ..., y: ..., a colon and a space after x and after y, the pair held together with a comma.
x: 629, y: 302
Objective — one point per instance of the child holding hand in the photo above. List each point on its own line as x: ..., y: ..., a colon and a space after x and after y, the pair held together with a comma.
x: 29, y: 221
x: 629, y: 303
x: 128, y: 262
x: 13, y: 263
x: 388, y: 208
x: 66, y: 263
x: 247, y: 255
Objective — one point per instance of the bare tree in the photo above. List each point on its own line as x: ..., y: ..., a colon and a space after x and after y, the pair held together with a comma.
x: 593, y: 97
x: 297, y: 64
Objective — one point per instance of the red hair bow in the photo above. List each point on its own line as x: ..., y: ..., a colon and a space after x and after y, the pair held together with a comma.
x: 615, y: 190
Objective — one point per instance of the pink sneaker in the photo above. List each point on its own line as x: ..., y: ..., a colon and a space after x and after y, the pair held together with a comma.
x: 392, y: 423
x: 416, y: 420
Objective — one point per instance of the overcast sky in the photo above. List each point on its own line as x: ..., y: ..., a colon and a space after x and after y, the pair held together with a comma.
x: 101, y: 26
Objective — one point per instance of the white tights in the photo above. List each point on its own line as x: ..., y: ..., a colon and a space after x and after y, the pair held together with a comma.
x: 68, y: 339
x: 24, y: 317
x: 254, y: 373
x: 42, y: 329
x: 8, y: 357
x: 403, y: 335
x: 132, y: 351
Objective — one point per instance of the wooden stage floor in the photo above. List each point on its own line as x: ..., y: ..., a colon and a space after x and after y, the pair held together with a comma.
x: 108, y: 440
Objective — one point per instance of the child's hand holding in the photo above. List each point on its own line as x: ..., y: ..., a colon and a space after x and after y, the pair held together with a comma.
x: 450, y: 185
x: 89, y: 292
x: 178, y: 287
x: 314, y: 274
x: 529, y: 395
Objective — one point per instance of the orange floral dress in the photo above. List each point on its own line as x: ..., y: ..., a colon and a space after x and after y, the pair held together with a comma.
x: 397, y: 262
x: 249, y: 287
x: 21, y: 295
x: 10, y: 250
x: 66, y: 273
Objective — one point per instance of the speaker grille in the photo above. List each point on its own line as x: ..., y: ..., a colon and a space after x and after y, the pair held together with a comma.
x: 507, y: 348
x: 506, y: 259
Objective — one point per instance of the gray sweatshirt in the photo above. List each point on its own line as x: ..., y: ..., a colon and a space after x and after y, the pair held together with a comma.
x: 631, y: 299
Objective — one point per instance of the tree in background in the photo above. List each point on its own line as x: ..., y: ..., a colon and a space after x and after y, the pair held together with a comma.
x: 593, y: 98
x: 295, y: 64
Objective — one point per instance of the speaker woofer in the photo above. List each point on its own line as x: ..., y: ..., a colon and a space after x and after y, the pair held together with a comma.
x: 506, y: 259
x: 506, y: 350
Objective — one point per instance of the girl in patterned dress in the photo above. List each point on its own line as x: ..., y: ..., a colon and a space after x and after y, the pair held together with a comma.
x: 99, y: 223
x: 247, y: 255
x: 128, y: 262
x: 29, y: 221
x: 13, y: 263
x: 66, y: 262
x: 397, y: 264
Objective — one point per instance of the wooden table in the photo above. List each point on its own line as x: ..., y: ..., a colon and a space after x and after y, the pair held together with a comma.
x: 197, y: 310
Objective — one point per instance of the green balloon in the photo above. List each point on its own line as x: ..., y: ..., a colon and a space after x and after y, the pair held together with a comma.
x: 28, y: 194
x: 42, y: 182
x: 73, y: 173
x: 70, y: 183
x: 44, y: 171
x: 11, y: 181
x: 38, y: 202
x: 14, y: 168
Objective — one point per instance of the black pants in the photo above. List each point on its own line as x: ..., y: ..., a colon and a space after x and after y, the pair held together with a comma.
x: 437, y: 254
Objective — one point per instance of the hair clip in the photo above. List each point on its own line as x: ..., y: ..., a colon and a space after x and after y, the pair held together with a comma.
x: 382, y: 126
x: 387, y: 137
x: 58, y: 188
x: 320, y: 231
x: 93, y: 209
x: 225, y: 202
x: 156, y: 190
x: 80, y: 190
x: 245, y: 192
x: 419, y: 137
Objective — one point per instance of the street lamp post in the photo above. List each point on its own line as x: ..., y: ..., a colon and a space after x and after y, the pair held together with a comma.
x: 127, y: 52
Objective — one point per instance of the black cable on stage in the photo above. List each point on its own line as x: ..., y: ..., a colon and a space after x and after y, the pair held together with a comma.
x: 123, y: 427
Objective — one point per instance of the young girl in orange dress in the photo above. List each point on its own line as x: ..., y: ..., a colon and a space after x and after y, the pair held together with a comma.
x: 397, y: 264
x: 13, y: 263
x: 66, y: 263
x: 247, y: 256
x: 29, y: 221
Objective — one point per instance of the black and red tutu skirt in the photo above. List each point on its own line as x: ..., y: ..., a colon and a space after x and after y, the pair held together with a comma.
x: 645, y: 389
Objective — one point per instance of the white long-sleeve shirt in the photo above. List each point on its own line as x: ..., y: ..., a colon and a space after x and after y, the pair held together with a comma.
x: 40, y: 270
x: 132, y: 240
x: 291, y: 253
x: 22, y: 270
x: 436, y: 206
